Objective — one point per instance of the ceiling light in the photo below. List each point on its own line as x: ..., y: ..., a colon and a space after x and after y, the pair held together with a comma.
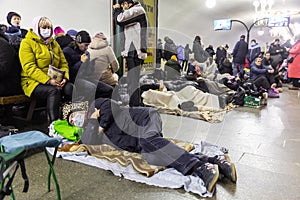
x: 210, y: 3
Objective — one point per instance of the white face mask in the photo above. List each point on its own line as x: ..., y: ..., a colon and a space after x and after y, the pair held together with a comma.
x: 45, y: 32
x: 79, y: 119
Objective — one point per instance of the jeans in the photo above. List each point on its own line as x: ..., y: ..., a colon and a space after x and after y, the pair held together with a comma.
x: 237, y: 68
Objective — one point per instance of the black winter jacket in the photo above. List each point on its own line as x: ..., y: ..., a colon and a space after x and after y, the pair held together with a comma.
x: 122, y: 126
x: 240, y: 52
x: 10, y: 69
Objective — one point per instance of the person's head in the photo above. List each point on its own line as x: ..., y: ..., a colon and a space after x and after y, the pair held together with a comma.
x: 83, y: 40
x: 13, y: 19
x: 242, y: 37
x: 226, y: 46
x: 58, y: 31
x: 267, y: 55
x: 197, y: 38
x: 125, y: 4
x: 277, y: 41
x: 258, y: 61
x: 100, y: 36
x: 72, y: 33
x: 42, y: 27
x: 77, y: 118
x: 253, y: 41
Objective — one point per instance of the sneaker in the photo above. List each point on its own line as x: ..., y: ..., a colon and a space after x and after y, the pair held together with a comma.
x: 264, y: 100
x: 275, y: 90
x: 226, y: 167
x: 209, y: 173
x: 272, y: 94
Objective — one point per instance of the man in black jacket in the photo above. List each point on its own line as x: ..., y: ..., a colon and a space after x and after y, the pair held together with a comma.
x: 239, y: 56
x: 139, y: 129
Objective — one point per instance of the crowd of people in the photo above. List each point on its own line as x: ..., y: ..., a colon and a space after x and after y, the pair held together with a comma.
x: 45, y: 62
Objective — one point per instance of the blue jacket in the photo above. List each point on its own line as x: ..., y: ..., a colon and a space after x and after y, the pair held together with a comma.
x: 253, y: 52
x: 256, y: 71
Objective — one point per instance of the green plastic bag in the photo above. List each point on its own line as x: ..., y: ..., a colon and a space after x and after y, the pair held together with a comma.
x: 63, y: 128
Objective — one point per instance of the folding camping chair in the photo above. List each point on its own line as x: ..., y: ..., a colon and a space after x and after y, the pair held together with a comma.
x: 30, y: 140
x: 8, y: 162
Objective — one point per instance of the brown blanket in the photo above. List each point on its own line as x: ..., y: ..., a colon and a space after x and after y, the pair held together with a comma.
x: 123, y: 157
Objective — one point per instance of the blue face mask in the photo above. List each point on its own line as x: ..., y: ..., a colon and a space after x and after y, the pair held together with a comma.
x: 45, y: 32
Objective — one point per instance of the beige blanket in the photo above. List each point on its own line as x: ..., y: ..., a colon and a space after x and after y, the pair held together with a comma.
x: 123, y: 157
x: 168, y: 101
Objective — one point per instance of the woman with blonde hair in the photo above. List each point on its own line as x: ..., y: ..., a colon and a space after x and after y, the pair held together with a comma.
x: 39, y: 52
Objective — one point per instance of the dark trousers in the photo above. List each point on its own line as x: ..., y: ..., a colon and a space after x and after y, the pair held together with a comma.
x: 92, y: 90
x: 54, y: 96
x: 133, y: 76
x: 261, y: 81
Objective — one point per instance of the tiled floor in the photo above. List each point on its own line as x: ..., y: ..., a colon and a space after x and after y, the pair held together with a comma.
x: 263, y: 143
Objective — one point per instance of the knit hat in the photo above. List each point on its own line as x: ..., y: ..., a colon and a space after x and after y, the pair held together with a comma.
x: 100, y: 36
x: 83, y: 37
x: 58, y: 30
x: 72, y: 32
x: 173, y: 57
x: 10, y: 15
x: 243, y: 37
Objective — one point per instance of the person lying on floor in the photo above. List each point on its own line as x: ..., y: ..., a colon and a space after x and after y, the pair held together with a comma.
x: 139, y: 129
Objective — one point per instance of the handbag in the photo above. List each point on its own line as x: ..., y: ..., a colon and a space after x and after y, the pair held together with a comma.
x: 55, y: 73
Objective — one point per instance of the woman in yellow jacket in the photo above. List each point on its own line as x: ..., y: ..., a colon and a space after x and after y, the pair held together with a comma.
x: 39, y: 51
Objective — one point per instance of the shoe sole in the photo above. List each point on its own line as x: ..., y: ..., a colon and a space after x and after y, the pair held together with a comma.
x: 233, y: 175
x: 233, y: 169
x: 212, y: 184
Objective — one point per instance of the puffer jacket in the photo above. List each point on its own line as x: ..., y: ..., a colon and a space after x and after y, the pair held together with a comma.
x: 35, y: 58
x: 294, y: 67
x: 104, y: 59
x: 133, y: 22
x: 10, y: 69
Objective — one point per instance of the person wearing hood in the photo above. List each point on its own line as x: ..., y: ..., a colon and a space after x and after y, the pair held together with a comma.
x: 254, y: 51
x: 106, y: 63
x: 200, y: 55
x: 170, y: 48
x: 38, y: 53
x: 132, y: 19
x: 14, y: 33
x: 172, y: 69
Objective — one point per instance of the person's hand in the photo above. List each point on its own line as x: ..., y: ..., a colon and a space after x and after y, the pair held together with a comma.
x: 100, y: 130
x: 53, y: 82
x: 270, y: 71
x: 95, y: 114
x: 116, y: 6
x: 83, y: 57
x: 62, y: 83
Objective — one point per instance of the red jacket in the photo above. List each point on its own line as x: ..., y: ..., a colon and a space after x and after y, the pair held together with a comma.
x: 294, y: 68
